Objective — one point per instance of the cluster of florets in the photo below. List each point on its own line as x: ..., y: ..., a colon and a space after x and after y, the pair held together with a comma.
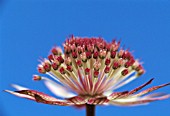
x: 92, y: 57
x: 78, y: 51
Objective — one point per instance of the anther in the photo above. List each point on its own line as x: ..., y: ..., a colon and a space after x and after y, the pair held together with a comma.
x: 74, y: 54
x: 96, y: 73
x: 87, y: 70
x: 54, y: 65
x: 113, y: 54
x: 62, y: 70
x: 41, y: 69
x: 95, y: 55
x: 60, y: 59
x: 115, y: 65
x: 79, y: 63
x: 69, y: 68
x: 47, y: 66
x: 107, y: 69
x: 54, y: 51
x: 124, y: 72
x: 107, y: 61
x: 36, y: 77
x: 88, y: 55
x: 50, y: 57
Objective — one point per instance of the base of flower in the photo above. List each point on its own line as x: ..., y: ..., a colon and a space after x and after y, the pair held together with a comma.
x: 90, y: 110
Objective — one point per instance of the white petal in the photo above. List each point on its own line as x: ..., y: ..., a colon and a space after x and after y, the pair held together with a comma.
x: 127, y: 99
x: 57, y: 89
x: 107, y: 93
x: 18, y: 87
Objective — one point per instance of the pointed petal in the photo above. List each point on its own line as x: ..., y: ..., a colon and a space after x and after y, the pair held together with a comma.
x: 20, y: 95
x: 57, y: 89
x: 39, y: 97
x: 155, y: 95
x: 136, y: 89
x: 138, y: 101
x: 151, y: 89
x: 134, y: 103
x: 115, y: 95
x: 140, y: 87
x: 158, y: 96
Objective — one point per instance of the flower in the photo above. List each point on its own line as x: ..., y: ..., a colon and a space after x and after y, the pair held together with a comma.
x: 88, y: 71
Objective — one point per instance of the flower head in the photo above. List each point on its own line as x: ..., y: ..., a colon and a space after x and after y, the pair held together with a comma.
x: 88, y: 71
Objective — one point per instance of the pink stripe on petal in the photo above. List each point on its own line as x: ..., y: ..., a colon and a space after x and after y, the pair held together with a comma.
x: 151, y: 89
x: 40, y: 97
x: 140, y: 87
x: 137, y: 89
x: 99, y: 100
x: 77, y: 100
x: 117, y: 94
x: 20, y: 95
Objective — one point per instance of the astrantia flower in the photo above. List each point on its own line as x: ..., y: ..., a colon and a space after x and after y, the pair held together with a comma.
x: 89, y: 71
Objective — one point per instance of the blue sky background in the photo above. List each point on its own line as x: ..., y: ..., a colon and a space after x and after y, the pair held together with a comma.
x: 29, y: 29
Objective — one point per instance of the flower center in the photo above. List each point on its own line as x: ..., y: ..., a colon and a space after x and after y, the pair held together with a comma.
x: 91, y: 66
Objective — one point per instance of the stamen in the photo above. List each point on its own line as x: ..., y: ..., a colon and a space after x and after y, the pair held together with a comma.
x: 115, y: 65
x: 62, y: 70
x: 60, y: 59
x: 87, y: 70
x: 50, y: 57
x: 125, y: 72
x: 69, y: 68
x: 96, y: 73
x: 88, y: 55
x: 95, y: 55
x: 113, y: 54
x: 54, y: 51
x: 41, y: 69
x: 107, y: 61
x: 74, y: 54
x: 79, y: 63
x: 47, y: 66
x: 107, y: 69
x: 36, y: 77
x: 55, y: 65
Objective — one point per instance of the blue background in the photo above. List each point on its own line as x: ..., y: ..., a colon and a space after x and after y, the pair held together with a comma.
x: 30, y: 28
